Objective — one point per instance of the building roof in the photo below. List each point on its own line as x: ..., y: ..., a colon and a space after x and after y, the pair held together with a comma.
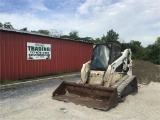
x: 38, y: 34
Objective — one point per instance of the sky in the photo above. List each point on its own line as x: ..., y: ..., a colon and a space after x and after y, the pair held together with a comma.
x: 132, y: 19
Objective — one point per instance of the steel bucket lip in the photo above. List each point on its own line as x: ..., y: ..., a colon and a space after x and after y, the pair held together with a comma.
x: 101, y: 105
x: 61, y: 95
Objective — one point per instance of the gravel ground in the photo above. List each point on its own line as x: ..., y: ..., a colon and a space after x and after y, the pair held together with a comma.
x: 36, y: 103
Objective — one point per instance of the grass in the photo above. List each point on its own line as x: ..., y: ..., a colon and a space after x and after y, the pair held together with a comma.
x: 10, y: 82
x: 6, y: 82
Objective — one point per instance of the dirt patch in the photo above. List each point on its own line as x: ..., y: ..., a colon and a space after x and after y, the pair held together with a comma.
x: 146, y: 71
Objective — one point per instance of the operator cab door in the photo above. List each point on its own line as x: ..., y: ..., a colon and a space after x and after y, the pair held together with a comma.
x: 100, y: 58
x: 104, y: 55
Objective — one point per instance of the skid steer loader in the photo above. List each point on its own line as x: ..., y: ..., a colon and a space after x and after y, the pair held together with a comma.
x: 105, y: 80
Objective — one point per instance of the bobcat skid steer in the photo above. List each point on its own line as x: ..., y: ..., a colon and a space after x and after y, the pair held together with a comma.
x: 105, y: 80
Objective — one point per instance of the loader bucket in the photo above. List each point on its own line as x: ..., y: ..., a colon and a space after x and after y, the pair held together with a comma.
x: 98, y: 97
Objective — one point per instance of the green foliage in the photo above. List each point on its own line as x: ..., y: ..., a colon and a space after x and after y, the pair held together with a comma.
x: 24, y: 29
x: 150, y: 53
x: 64, y: 36
x: 45, y: 32
x: 9, y: 82
x: 8, y: 25
x: 153, y: 52
x: 1, y: 25
x: 74, y: 35
x: 55, y: 33
x: 137, y: 50
x: 87, y: 39
x: 34, y: 31
x: 158, y: 42
x: 111, y: 36
x: 97, y: 40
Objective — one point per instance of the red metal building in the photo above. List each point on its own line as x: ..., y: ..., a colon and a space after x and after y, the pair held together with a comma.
x: 66, y: 55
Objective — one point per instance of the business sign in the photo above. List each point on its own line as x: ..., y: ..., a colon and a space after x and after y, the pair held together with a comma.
x: 38, y: 51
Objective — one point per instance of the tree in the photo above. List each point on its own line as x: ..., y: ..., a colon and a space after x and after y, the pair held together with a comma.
x: 103, y: 39
x: 1, y: 25
x: 87, y: 39
x: 138, y: 52
x: 153, y: 52
x: 34, y: 31
x: 45, y: 32
x: 24, y: 29
x: 158, y: 42
x: 64, y: 36
x: 55, y: 33
x: 74, y: 35
x: 111, y: 36
x: 97, y: 40
x: 8, y: 25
